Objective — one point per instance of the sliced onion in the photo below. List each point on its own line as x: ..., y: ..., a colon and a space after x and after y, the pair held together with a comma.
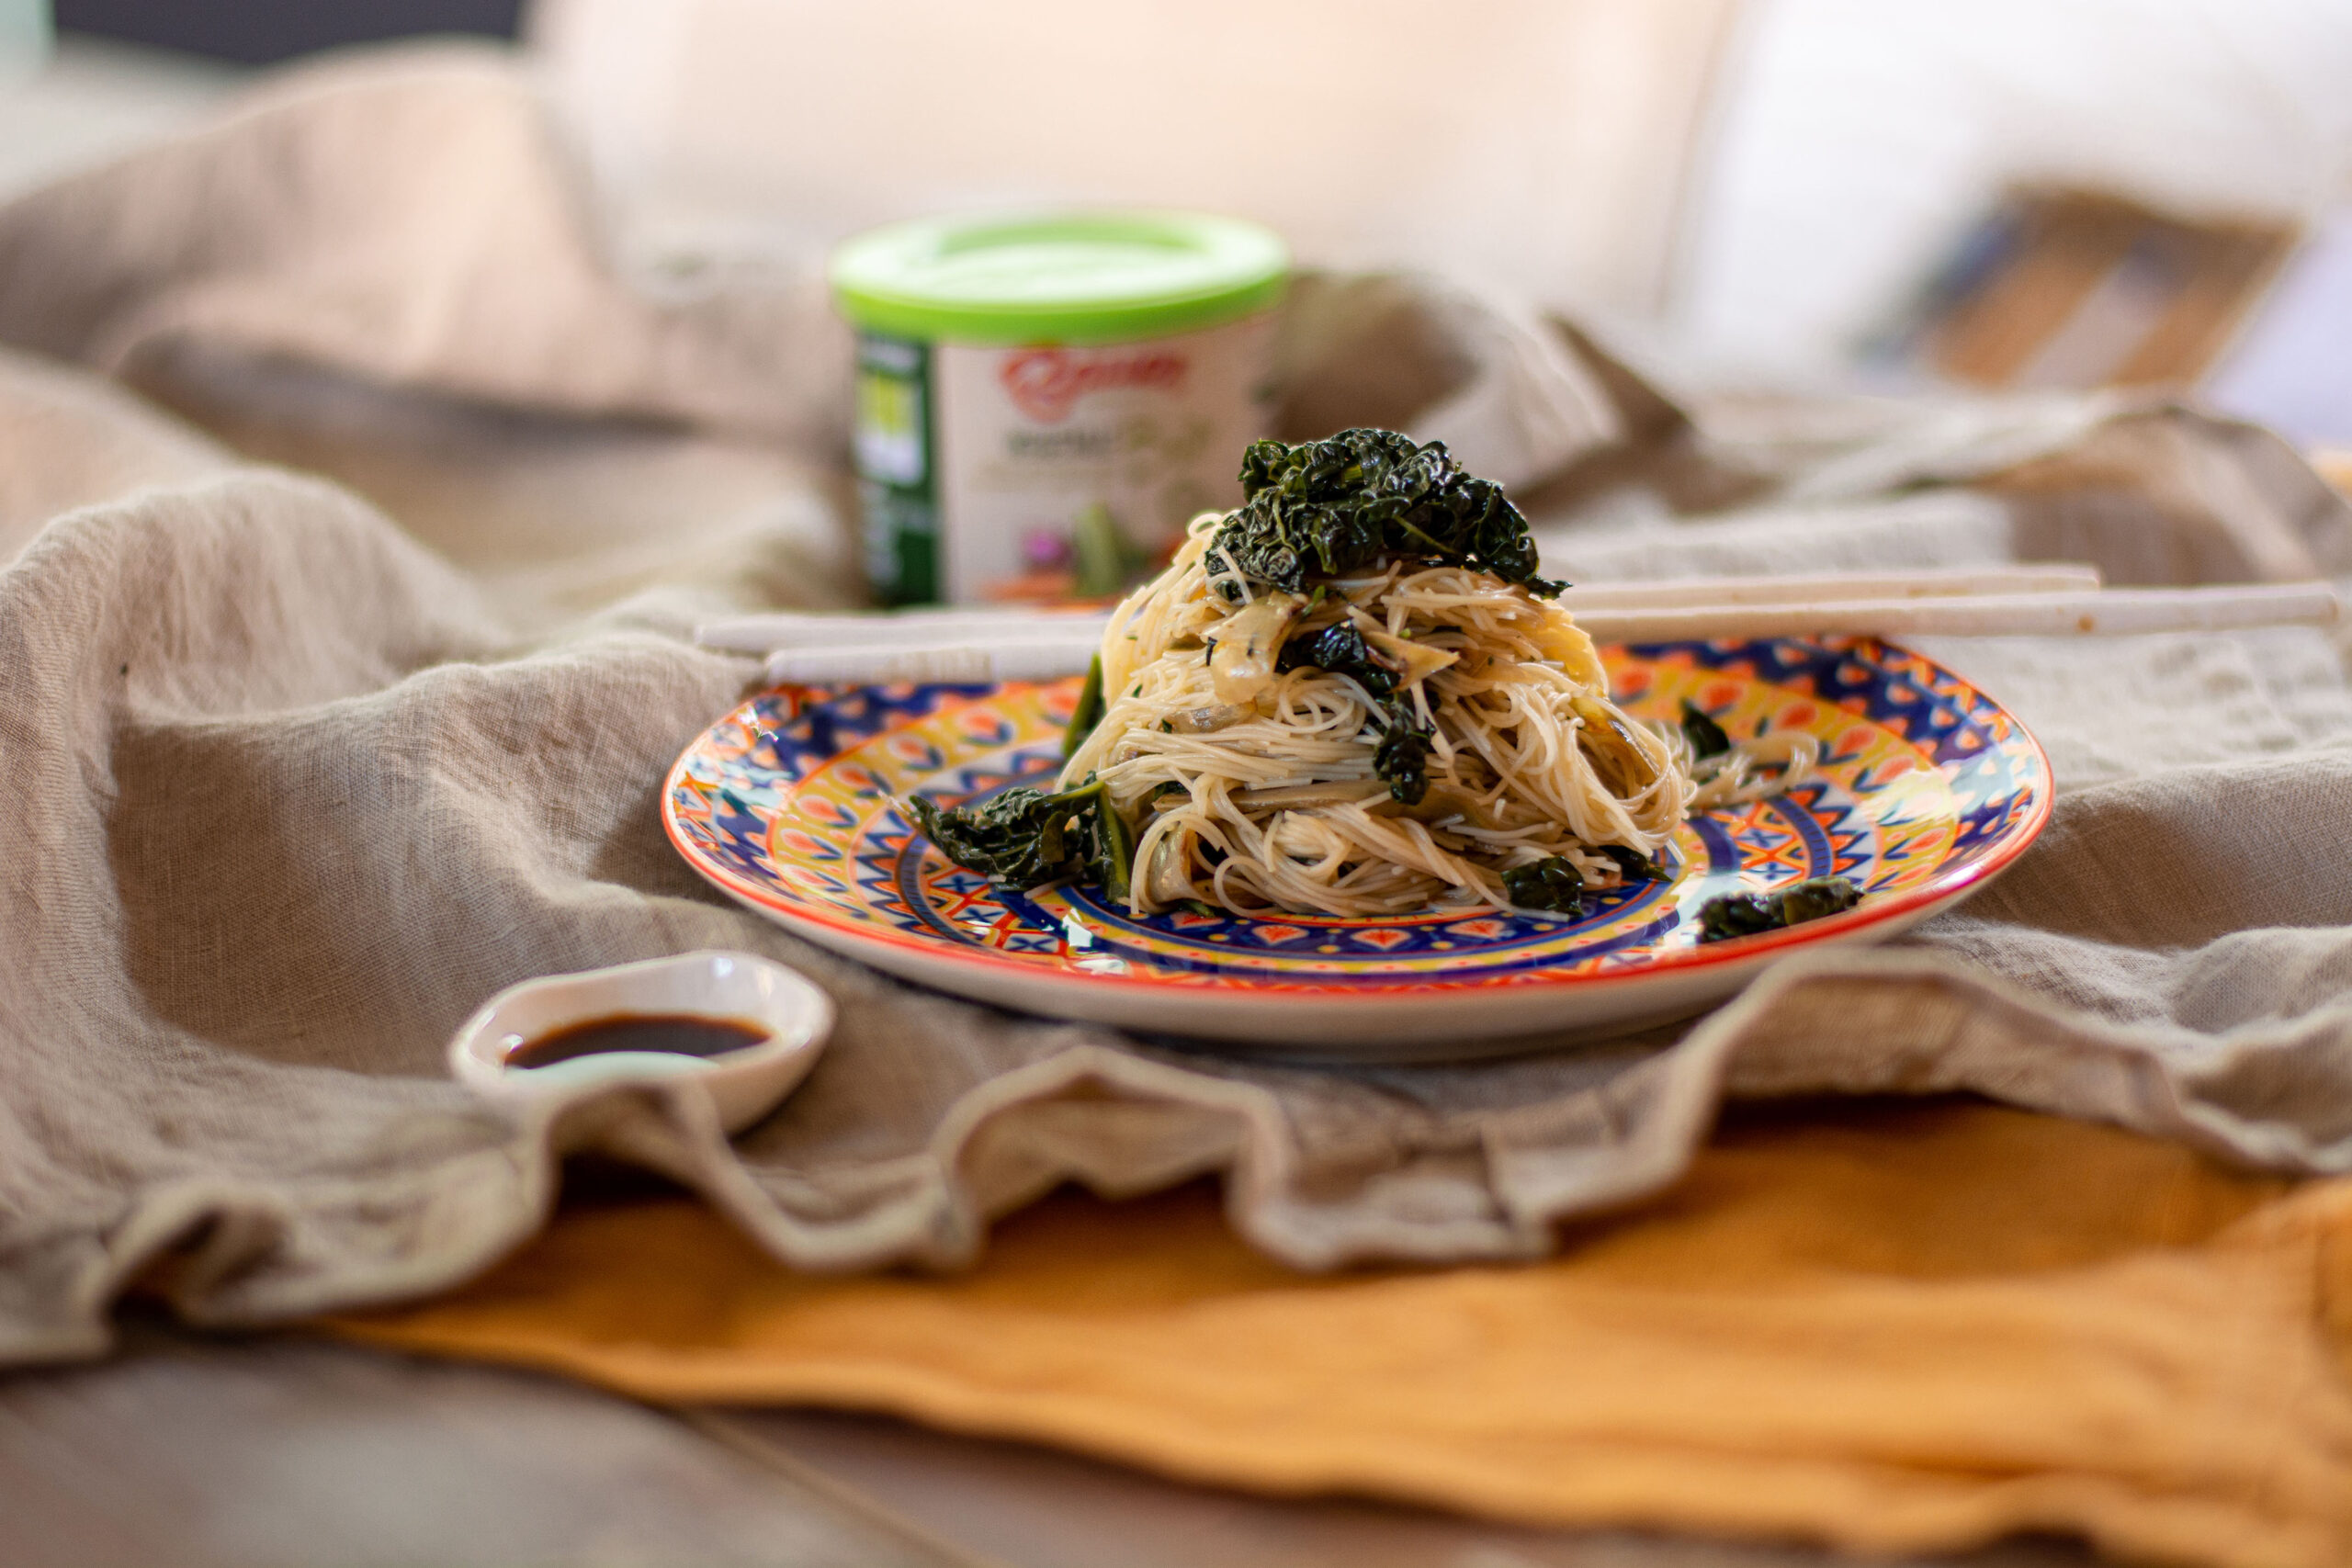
x: 1613, y: 747
x: 1247, y: 642
x: 1208, y: 720
x: 1413, y: 662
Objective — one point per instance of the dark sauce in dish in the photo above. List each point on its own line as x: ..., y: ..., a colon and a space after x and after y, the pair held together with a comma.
x: 678, y: 1033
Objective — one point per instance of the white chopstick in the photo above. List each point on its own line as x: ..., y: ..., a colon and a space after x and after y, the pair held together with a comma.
x: 1035, y: 659
x: 1666, y: 593
x: 899, y: 628
x: 1047, y: 646
x: 952, y: 629
x: 2112, y: 612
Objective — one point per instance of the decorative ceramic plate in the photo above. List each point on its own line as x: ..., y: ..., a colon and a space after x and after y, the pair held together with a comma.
x: 1926, y: 787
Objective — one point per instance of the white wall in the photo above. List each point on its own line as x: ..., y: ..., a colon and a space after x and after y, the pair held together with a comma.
x: 24, y: 40
x: 1857, y: 137
x: 1538, y: 144
x: 1541, y: 145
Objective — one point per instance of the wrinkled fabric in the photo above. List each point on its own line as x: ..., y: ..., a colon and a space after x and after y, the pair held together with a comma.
x: 1890, y: 1327
x: 357, y: 510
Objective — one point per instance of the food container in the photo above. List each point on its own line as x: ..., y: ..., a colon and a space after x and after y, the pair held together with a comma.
x: 1043, y: 402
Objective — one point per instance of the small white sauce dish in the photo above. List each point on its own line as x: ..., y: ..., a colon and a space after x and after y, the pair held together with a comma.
x: 744, y: 1084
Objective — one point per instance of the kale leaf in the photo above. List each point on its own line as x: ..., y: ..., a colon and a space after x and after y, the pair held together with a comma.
x: 1706, y: 737
x: 1403, y: 754
x: 1339, y: 649
x: 1635, y: 866
x: 1402, y: 758
x: 1554, y: 883
x: 1329, y: 508
x: 1087, y: 714
x: 1745, y: 914
x: 1028, y: 838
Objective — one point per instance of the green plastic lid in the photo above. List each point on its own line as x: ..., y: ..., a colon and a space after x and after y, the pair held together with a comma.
x: 1074, y: 277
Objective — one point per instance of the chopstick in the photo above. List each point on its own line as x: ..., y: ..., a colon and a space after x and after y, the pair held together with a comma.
x: 1035, y: 659
x: 982, y: 645
x: 2112, y: 612
x: 1663, y: 594
x: 899, y: 628
x: 956, y: 628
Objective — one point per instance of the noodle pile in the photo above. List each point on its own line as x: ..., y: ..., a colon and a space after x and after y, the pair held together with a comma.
x: 1252, y: 788
x: 1354, y: 696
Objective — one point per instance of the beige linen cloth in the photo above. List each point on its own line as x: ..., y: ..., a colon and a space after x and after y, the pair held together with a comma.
x: 298, y: 770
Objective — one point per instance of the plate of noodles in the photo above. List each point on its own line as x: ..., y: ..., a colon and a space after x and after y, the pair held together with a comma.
x: 1345, y: 782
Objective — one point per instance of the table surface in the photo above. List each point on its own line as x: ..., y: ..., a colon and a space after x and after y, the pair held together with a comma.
x: 257, y: 1452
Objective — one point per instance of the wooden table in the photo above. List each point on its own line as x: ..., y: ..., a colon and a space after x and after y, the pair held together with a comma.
x: 254, y: 1452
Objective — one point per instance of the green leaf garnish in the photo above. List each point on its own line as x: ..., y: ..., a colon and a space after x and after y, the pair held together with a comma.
x: 1552, y: 885
x: 1745, y: 914
x: 1028, y: 838
x: 1325, y: 508
x: 1706, y: 737
x: 1402, y: 758
x: 1339, y: 649
x: 1634, y: 867
x: 1088, y: 712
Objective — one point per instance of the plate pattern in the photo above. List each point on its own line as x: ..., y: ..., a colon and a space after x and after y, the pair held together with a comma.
x: 790, y: 803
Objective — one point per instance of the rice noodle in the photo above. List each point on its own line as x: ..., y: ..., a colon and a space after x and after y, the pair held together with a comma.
x: 1529, y: 758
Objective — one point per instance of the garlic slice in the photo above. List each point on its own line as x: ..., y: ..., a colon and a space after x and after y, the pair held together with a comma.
x: 1242, y: 664
x: 1570, y: 647
x: 1208, y: 720
x: 1413, y: 662
x: 1623, y: 764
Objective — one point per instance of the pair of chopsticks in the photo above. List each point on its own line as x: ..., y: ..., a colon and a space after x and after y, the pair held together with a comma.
x: 2030, y: 601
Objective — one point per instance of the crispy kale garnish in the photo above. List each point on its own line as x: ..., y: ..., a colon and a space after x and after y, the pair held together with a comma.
x: 1028, y: 838
x: 1635, y: 866
x: 1339, y: 649
x: 1402, y: 758
x: 1706, y: 737
x: 1403, y: 754
x: 1745, y: 914
x: 1087, y: 714
x: 1554, y: 884
x: 1327, y: 508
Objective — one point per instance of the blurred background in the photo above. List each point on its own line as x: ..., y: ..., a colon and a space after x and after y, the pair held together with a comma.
x: 1814, y: 194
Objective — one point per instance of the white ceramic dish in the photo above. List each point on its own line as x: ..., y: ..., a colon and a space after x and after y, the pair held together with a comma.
x: 743, y: 1085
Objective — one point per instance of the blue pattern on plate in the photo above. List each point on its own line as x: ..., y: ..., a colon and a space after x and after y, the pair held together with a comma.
x: 725, y: 798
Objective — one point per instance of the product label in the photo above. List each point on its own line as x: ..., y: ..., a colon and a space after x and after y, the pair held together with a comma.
x: 1053, y: 472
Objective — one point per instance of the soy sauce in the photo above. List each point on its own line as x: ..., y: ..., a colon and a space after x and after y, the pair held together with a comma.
x: 679, y: 1033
